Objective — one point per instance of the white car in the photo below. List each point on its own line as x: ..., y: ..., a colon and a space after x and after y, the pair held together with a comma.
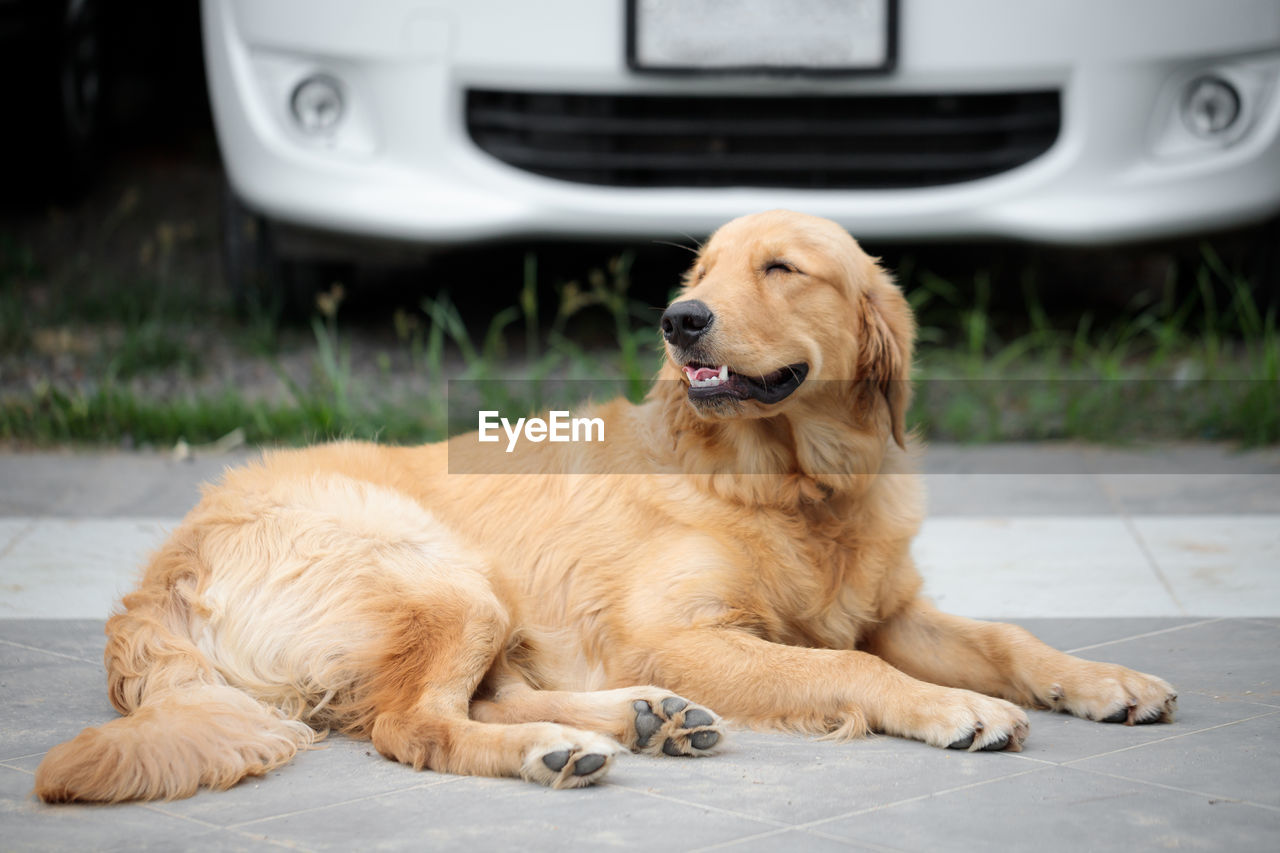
x: 445, y: 121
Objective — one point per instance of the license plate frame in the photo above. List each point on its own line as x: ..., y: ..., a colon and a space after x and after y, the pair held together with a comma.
x: 653, y: 47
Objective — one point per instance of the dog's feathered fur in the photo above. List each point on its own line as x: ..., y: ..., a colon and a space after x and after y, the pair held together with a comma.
x: 529, y: 616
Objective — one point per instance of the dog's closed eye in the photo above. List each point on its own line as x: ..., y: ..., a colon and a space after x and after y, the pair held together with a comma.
x: 779, y: 266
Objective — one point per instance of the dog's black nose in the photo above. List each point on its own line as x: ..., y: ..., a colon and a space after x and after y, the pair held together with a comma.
x: 684, y: 322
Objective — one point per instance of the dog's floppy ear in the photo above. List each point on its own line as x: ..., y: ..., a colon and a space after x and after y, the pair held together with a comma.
x: 886, y: 348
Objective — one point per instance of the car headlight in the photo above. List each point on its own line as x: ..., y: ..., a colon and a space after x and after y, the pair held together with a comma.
x: 316, y: 105
x: 1211, y: 106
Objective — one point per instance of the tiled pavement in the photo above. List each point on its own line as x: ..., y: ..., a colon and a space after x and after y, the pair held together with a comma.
x: 1167, y: 561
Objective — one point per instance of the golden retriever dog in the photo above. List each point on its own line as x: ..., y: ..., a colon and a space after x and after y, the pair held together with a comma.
x: 738, y: 546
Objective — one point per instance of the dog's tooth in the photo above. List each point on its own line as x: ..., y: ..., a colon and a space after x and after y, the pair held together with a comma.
x: 724, y: 372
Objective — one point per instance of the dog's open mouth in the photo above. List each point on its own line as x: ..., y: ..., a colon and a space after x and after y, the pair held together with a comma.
x: 707, y: 383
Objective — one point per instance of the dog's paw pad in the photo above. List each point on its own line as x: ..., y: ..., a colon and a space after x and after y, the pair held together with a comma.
x: 569, y: 768
x: 647, y: 723
x: 1162, y: 712
x: 1002, y: 726
x: 589, y: 763
x: 584, y: 766
x: 556, y: 761
x: 1109, y: 693
x: 697, y: 717
x: 996, y: 745
x: 967, y: 743
x: 570, y: 763
x: 704, y: 740
x: 1133, y: 714
x: 674, y: 726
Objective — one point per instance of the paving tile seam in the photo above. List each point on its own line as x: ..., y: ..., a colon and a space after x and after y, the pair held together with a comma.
x: 30, y: 796
x: 1108, y: 491
x: 287, y: 845
x: 159, y: 809
x: 1206, y: 794
x: 165, y: 523
x: 5, y: 762
x: 941, y: 793
x: 16, y: 644
x: 768, y: 821
x: 415, y: 787
x: 725, y: 845
x: 17, y: 769
x: 778, y: 833
x: 152, y: 807
x: 1210, y: 694
x: 853, y: 845
x: 1152, y: 563
x: 1178, y: 736
x: 1018, y: 756
x: 18, y: 537
x: 1198, y: 624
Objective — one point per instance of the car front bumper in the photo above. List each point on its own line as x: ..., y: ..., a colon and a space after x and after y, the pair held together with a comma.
x: 402, y: 165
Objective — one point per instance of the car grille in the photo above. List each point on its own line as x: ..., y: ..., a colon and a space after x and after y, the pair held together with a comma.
x: 845, y: 142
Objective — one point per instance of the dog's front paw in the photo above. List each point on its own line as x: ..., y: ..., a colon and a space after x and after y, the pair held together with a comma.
x: 961, y: 719
x: 1110, y: 693
x: 569, y: 758
x: 675, y: 726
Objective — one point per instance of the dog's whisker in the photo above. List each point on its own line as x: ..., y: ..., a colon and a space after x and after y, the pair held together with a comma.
x: 690, y: 249
x: 698, y: 244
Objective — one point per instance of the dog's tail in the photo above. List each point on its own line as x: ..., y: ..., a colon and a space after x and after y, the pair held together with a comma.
x: 184, y: 726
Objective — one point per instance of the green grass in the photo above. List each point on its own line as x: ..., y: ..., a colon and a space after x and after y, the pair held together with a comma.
x: 1201, y: 360
x: 1169, y: 368
x: 111, y: 415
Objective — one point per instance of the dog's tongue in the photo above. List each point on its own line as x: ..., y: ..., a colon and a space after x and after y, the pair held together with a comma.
x: 699, y: 373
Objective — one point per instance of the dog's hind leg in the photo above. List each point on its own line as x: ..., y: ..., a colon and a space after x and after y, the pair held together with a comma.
x: 361, y: 612
x: 184, y: 726
x: 644, y: 718
x: 435, y: 655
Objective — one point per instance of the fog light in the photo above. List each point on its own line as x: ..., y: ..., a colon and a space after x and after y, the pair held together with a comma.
x: 1211, y: 106
x: 316, y: 104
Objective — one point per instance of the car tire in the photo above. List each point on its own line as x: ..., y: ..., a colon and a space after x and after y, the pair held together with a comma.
x: 53, y: 56
x: 264, y: 284
x: 1263, y: 264
x: 81, y: 82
